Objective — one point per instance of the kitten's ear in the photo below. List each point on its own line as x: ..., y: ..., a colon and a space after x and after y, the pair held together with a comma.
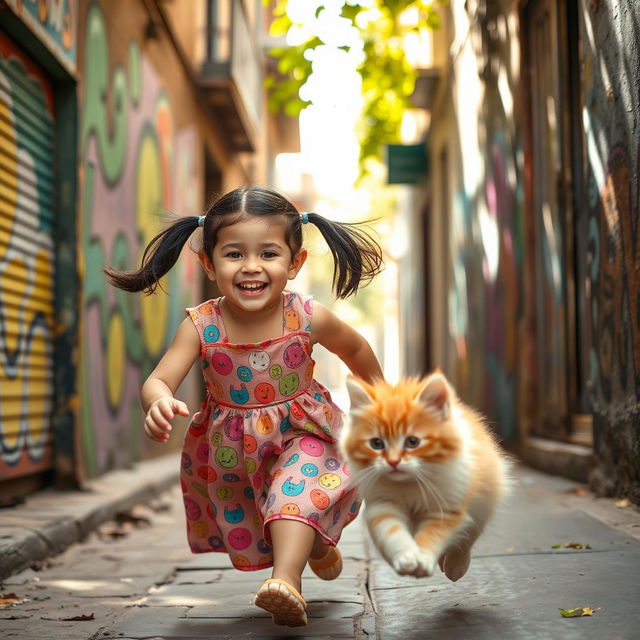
x: 436, y: 395
x: 357, y: 393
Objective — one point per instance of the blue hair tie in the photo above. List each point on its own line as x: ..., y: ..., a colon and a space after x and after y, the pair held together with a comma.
x: 304, y: 217
x: 201, y: 221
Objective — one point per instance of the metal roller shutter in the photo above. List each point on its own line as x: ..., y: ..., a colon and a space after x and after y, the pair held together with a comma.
x: 26, y: 264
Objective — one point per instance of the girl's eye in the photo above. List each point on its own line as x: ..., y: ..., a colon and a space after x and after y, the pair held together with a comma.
x: 234, y: 254
x: 269, y: 254
x: 376, y: 443
x: 411, y: 442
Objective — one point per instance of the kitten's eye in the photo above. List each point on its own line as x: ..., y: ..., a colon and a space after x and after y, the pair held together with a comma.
x: 376, y: 443
x: 411, y: 442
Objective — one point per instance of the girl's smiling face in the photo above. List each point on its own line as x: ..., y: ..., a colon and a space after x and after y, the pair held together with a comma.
x: 252, y: 262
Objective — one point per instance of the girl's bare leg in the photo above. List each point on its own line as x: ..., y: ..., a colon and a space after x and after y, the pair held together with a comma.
x: 293, y: 542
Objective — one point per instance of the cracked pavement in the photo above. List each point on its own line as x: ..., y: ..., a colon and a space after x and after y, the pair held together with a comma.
x: 137, y: 579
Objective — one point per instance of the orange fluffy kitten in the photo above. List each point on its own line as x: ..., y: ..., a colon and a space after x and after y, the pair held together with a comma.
x: 428, y: 469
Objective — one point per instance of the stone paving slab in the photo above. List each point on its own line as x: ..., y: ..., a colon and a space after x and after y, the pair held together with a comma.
x: 50, y: 520
x: 516, y: 582
x: 517, y: 597
x: 175, y: 625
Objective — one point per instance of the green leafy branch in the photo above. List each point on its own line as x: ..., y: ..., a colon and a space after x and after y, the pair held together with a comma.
x: 388, y: 79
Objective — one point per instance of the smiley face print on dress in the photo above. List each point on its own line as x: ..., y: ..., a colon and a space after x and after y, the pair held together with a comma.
x: 329, y: 481
x: 224, y: 493
x: 294, y: 355
x: 239, y: 538
x: 332, y: 464
x: 308, y: 306
x: 250, y: 444
x: 309, y: 470
x: 275, y: 371
x: 285, y: 425
x: 292, y: 460
x: 264, y: 393
x: 264, y: 425
x: 290, y: 509
x: 240, y: 395
x: 320, y: 499
x: 290, y: 488
x: 266, y: 449
x: 263, y: 547
x: 289, y: 384
x: 211, y: 333
x: 192, y: 509
x: 202, y: 453
x: 244, y: 373
x: 200, y: 528
x: 297, y: 411
x: 222, y: 363
x: 197, y: 429
x: 311, y: 446
x: 259, y: 360
x: 233, y: 428
x: 292, y: 320
x: 234, y: 516
x: 226, y: 457
x: 207, y: 473
x: 308, y: 372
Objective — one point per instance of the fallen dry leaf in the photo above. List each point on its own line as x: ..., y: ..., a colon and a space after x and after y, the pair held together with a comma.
x: 79, y: 618
x: 10, y: 599
x: 578, y: 612
x: 623, y: 503
x: 571, y: 545
x: 578, y: 491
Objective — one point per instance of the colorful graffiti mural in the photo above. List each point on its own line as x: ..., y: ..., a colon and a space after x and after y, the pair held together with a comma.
x: 54, y: 21
x: 135, y: 167
x: 26, y: 264
x: 486, y: 255
x: 615, y: 277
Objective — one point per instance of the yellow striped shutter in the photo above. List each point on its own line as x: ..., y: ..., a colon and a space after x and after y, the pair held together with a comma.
x: 27, y: 258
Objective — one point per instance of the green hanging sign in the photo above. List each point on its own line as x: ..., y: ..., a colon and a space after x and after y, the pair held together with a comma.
x: 406, y: 163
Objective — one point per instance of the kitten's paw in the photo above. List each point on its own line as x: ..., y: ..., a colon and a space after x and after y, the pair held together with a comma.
x: 414, y: 563
x: 454, y: 563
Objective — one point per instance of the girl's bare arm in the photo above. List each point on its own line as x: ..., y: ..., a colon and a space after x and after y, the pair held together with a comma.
x: 157, y: 393
x: 340, y: 338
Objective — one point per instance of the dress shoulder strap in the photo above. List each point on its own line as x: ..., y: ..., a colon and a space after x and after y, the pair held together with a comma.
x: 207, y: 320
x: 298, y: 309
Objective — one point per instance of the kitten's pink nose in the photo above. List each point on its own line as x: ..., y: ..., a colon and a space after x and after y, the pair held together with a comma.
x: 393, y: 463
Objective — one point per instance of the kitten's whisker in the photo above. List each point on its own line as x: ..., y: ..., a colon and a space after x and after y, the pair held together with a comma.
x: 432, y: 490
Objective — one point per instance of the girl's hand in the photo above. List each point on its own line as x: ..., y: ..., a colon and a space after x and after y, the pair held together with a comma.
x: 156, y: 423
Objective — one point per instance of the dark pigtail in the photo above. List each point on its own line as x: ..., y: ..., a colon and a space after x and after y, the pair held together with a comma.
x: 159, y: 256
x: 357, y: 257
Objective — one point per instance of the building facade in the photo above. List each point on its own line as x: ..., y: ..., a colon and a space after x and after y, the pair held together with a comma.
x: 115, y: 114
x: 528, y: 223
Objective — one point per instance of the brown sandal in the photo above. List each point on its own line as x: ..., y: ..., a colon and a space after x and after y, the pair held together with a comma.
x: 329, y: 566
x: 283, y: 602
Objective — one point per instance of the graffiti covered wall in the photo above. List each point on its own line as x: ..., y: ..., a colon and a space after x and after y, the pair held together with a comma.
x: 26, y: 264
x: 484, y: 219
x: 611, y: 120
x: 54, y: 22
x: 138, y: 155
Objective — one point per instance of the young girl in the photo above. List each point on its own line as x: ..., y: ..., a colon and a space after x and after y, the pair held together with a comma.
x: 261, y: 474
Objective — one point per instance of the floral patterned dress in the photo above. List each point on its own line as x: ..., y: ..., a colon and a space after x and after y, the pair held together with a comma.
x: 263, y: 446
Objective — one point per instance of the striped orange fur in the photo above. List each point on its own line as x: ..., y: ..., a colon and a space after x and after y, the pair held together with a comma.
x: 429, y: 469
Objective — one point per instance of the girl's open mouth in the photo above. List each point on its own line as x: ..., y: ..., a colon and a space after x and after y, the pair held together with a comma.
x: 252, y: 288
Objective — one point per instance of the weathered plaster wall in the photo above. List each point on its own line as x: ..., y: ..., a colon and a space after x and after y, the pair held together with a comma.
x: 611, y: 120
x: 140, y: 156
x: 481, y: 266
